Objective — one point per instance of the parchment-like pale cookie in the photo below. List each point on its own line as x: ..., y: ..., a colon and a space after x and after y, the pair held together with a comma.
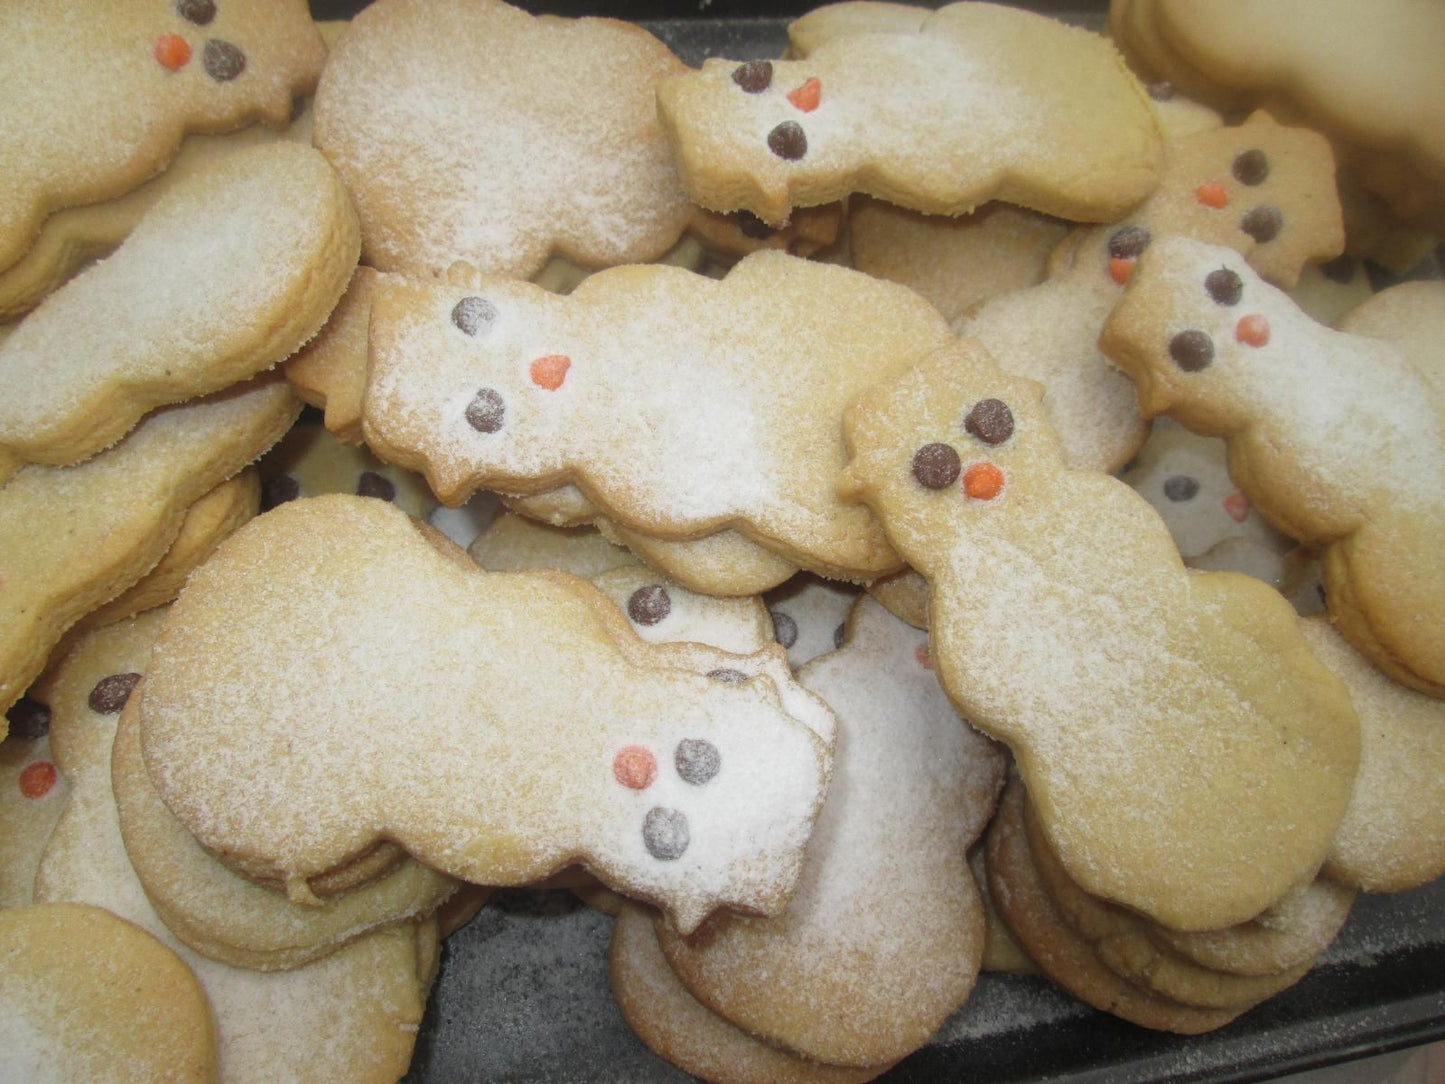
x: 1337, y: 438
x: 983, y: 102
x: 637, y: 760
x: 1188, y: 755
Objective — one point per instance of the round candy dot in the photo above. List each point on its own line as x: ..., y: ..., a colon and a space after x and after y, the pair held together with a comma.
x: 983, y: 481
x: 755, y: 76
x: 665, y: 834
x: 37, y: 779
x: 1181, y: 487
x: 634, y: 767
x: 474, y: 315
x: 697, y: 760
x: 29, y: 719
x: 936, y: 465
x: 486, y: 411
x: 279, y: 490
x: 1251, y: 167
x: 1121, y: 270
x: 1128, y: 242
x: 785, y: 629
x: 990, y: 420
x: 549, y: 372
x: 1212, y: 195
x: 222, y: 60
x: 805, y: 98
x: 1225, y: 287
x: 371, y: 484
x: 1252, y: 330
x: 1263, y: 223
x: 727, y: 675
x: 172, y: 52
x: 788, y: 141
x: 649, y: 605
x: 200, y: 12
x: 1191, y: 350
x: 110, y: 693
x: 922, y: 655
x: 1237, y: 505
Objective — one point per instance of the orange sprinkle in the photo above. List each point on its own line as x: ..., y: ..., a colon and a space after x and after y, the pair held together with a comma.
x: 1120, y: 269
x: 1212, y: 195
x: 172, y: 51
x: 549, y: 372
x: 634, y: 767
x: 1252, y: 330
x: 925, y: 660
x: 37, y: 779
x: 983, y: 481
x: 807, y: 96
x: 1237, y: 505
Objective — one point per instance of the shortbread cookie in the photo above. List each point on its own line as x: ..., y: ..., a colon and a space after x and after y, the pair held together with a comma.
x: 1332, y: 289
x: 883, y: 938
x: 678, y: 1028
x: 98, y: 99
x: 309, y: 461
x: 32, y: 794
x: 459, y: 141
x: 829, y: 21
x: 680, y: 405
x: 1412, y: 316
x: 725, y: 562
x: 589, y: 787
x: 1259, y: 187
x: 905, y: 595
x: 1188, y: 755
x: 511, y: 542
x: 983, y: 102
x: 89, y: 996
x: 330, y: 371
x: 1338, y: 439
x: 73, y: 538
x: 661, y: 611
x: 220, y: 280
x: 810, y: 616
x: 1001, y: 950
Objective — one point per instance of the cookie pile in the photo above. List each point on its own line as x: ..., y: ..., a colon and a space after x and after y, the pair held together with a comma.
x: 735, y: 498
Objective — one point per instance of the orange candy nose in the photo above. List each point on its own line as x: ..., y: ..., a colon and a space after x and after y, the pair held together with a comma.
x: 550, y: 371
x: 1237, y: 505
x: 634, y: 767
x: 983, y: 481
x: 1212, y: 195
x: 1252, y: 330
x: 172, y: 51
x: 925, y: 660
x: 807, y: 96
x: 1120, y: 269
x: 37, y: 779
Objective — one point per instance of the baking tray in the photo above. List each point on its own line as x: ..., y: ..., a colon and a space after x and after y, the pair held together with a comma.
x: 522, y: 994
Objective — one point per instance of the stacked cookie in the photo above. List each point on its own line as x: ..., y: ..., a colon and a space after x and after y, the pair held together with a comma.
x: 647, y: 394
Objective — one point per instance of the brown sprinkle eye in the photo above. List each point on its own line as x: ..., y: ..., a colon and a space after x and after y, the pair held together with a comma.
x: 1128, y: 242
x: 785, y: 629
x: 1225, y: 287
x: 487, y: 411
x: 990, y: 420
x: 110, y: 693
x: 200, y: 12
x: 788, y: 141
x: 1263, y: 223
x: 1181, y: 487
x: 755, y: 76
x: 279, y: 490
x: 649, y: 605
x: 936, y: 465
x: 1251, y: 167
x: 474, y: 315
x: 222, y: 60
x: 1192, y: 350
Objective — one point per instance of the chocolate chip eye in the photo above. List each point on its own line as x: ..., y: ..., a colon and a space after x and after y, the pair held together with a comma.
x: 1181, y: 487
x: 1251, y: 167
x: 474, y: 315
x: 649, y: 605
x: 697, y: 760
x: 486, y: 411
x: 727, y: 675
x: 1263, y: 223
x: 371, y: 484
x: 110, y: 693
x: 1224, y: 286
x: 936, y: 465
x: 750, y: 225
x: 665, y: 834
x: 29, y: 719
x: 1127, y: 242
x: 279, y: 490
x: 1191, y: 350
x: 755, y: 76
x: 200, y: 12
x: 222, y: 60
x: 785, y: 629
x: 788, y: 141
x: 990, y: 421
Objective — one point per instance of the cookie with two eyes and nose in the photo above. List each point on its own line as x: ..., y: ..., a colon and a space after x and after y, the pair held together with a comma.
x: 1337, y: 438
x: 1188, y: 755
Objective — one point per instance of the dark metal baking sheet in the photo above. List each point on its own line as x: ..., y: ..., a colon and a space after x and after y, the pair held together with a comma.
x: 522, y: 995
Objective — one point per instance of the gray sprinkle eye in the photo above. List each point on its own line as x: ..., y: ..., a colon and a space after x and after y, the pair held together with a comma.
x: 665, y: 833
x: 785, y: 629
x: 697, y: 760
x: 474, y: 315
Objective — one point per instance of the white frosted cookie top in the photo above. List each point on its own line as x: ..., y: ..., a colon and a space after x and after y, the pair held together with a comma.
x: 474, y: 131
x: 92, y: 110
